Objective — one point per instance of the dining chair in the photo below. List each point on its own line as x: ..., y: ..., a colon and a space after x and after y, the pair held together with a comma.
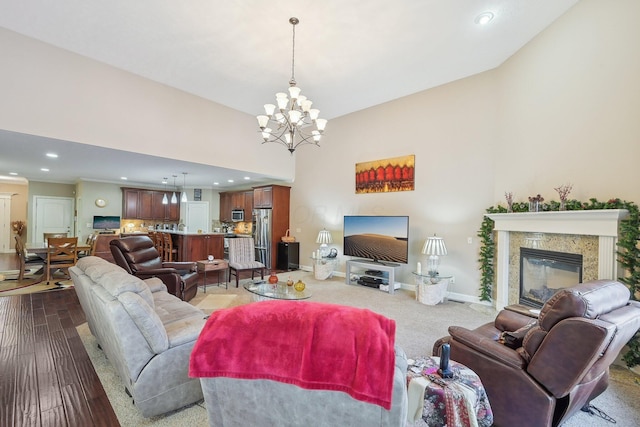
x: 47, y: 236
x: 25, y: 258
x: 90, y: 242
x: 62, y: 253
x: 242, y: 257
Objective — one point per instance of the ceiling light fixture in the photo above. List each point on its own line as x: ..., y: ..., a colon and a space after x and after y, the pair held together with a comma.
x: 295, y: 123
x: 52, y: 155
x: 484, y: 18
x: 174, y: 198
x: 184, y: 199
x: 165, y: 199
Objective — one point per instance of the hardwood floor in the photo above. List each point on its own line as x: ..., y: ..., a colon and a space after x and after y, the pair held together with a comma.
x: 46, y: 376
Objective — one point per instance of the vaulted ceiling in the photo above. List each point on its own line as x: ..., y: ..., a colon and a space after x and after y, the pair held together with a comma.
x: 349, y: 55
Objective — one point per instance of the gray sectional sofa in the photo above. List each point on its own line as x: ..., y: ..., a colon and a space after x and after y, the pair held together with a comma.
x: 145, y: 332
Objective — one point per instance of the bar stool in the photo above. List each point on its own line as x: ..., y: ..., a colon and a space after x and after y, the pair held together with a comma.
x: 158, y: 243
x: 169, y: 252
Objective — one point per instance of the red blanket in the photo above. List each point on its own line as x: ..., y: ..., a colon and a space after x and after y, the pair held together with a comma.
x: 312, y: 345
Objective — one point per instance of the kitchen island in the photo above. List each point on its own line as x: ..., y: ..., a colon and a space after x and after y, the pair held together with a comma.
x: 193, y: 246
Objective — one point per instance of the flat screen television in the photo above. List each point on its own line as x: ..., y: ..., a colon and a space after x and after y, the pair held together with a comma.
x: 106, y: 222
x: 378, y: 238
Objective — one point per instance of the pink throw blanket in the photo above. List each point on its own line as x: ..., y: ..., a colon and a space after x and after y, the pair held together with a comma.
x: 312, y: 345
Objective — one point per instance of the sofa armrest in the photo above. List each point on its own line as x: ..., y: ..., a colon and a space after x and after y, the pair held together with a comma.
x: 508, y: 320
x: 182, y: 266
x: 155, y: 284
x: 169, y: 277
x: 488, y: 347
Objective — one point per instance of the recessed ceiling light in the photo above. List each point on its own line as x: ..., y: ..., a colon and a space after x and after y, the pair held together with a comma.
x: 13, y: 173
x: 484, y: 18
x: 216, y: 183
x: 124, y: 178
x: 44, y: 169
x: 52, y: 155
x: 246, y: 177
x: 229, y: 180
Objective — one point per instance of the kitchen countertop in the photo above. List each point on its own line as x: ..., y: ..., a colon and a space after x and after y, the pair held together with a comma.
x: 190, y: 233
x: 195, y: 233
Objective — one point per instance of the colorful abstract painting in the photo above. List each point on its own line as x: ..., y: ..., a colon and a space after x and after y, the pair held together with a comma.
x: 383, y: 176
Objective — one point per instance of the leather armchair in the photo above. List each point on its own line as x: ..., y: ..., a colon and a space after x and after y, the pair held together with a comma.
x: 138, y: 256
x: 563, y: 360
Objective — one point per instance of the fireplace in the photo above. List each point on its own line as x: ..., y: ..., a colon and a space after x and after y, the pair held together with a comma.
x: 543, y: 273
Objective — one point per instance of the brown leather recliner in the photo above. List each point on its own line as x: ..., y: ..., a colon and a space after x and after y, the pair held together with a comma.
x: 563, y: 360
x: 138, y: 256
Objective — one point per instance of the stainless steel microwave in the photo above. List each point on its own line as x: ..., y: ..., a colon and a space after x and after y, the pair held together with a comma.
x: 237, y: 215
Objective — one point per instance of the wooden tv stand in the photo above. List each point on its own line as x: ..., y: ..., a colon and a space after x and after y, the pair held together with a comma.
x: 388, y: 270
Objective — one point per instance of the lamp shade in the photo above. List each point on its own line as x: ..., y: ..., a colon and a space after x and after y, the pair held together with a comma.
x: 324, y: 237
x: 434, y: 246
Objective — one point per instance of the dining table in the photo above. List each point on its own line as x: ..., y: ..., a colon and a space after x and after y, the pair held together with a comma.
x: 40, y: 249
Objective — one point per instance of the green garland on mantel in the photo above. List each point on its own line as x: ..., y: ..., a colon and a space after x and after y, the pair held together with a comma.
x: 628, y: 251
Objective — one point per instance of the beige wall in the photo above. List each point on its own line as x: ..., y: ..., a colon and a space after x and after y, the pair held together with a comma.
x: 19, y: 195
x: 570, y: 107
x: 564, y: 109
x: 51, y: 92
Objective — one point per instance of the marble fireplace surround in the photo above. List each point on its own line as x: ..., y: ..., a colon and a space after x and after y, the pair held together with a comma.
x: 604, y: 224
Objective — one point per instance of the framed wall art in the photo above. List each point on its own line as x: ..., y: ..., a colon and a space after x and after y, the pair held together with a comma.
x: 387, y: 175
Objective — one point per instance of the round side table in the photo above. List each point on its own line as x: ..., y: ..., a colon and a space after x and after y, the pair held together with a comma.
x: 435, y: 399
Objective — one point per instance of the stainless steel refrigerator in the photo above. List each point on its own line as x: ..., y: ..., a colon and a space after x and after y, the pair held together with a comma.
x: 262, y: 235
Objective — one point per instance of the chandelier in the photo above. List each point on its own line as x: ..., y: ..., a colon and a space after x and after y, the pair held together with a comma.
x: 294, y: 123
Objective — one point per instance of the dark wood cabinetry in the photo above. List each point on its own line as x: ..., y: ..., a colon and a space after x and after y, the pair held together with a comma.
x: 130, y: 201
x: 248, y: 205
x: 263, y: 197
x: 275, y: 197
x: 225, y: 207
x: 147, y: 204
x: 236, y: 200
x: 197, y: 247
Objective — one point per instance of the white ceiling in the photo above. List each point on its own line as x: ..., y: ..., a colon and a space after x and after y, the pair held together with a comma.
x: 350, y: 55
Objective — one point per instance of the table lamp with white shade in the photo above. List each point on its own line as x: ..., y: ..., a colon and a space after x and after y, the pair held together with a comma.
x: 434, y: 247
x: 324, y: 238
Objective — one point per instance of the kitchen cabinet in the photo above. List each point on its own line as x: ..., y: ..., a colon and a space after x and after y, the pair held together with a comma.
x: 276, y: 198
x: 248, y: 205
x: 236, y: 200
x: 263, y: 197
x: 225, y: 207
x: 197, y: 247
x: 129, y: 203
x: 147, y: 204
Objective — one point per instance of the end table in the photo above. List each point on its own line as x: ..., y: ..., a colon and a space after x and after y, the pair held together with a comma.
x: 323, y: 267
x: 218, y: 265
x: 431, y: 290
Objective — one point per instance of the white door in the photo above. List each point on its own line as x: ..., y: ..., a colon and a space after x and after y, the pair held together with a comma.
x: 5, y: 223
x: 197, y: 216
x: 52, y: 215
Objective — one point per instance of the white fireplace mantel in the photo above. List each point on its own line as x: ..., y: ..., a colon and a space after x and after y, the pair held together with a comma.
x: 603, y: 223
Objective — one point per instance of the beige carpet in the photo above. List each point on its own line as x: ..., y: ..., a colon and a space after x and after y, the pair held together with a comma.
x: 417, y: 328
x: 215, y: 302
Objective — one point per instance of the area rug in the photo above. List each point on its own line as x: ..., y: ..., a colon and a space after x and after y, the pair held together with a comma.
x: 9, y: 280
x: 32, y: 285
x: 216, y: 302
